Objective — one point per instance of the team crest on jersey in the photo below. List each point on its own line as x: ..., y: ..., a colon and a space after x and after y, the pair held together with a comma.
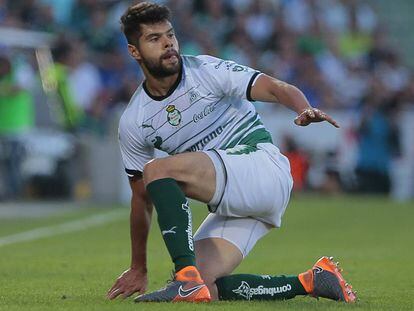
x: 173, y: 116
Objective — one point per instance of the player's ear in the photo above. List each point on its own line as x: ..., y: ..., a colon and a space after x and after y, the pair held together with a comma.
x: 133, y: 51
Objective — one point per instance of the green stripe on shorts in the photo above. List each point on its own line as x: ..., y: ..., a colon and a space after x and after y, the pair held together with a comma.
x: 241, y: 149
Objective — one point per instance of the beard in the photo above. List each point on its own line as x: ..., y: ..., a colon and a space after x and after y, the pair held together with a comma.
x: 158, y: 70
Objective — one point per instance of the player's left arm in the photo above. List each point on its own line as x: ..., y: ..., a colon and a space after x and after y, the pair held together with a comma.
x: 269, y: 89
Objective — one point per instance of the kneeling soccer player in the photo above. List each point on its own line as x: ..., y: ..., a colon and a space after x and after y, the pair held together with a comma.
x: 198, y: 109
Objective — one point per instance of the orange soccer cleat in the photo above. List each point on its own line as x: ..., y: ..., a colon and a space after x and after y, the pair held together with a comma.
x: 187, y: 285
x: 325, y: 280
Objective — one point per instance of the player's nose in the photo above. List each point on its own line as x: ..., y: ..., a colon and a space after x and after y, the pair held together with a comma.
x: 168, y: 42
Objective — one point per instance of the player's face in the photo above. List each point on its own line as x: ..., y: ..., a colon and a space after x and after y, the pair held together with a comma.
x: 158, y: 50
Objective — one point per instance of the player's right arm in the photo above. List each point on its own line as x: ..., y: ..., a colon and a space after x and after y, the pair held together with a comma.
x: 140, y: 221
x: 135, y: 278
x: 135, y: 154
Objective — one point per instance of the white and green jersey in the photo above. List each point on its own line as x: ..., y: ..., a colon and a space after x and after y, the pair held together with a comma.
x: 207, y: 108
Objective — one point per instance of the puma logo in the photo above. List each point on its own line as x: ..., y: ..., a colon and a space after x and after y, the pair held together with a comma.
x: 164, y: 232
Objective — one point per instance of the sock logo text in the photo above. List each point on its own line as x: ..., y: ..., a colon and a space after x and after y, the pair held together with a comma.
x: 248, y: 292
x: 189, y: 229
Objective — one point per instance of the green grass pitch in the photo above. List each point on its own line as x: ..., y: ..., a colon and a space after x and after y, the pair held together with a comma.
x: 373, y: 238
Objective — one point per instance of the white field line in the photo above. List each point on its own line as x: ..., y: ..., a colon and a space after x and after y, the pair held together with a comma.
x: 71, y: 226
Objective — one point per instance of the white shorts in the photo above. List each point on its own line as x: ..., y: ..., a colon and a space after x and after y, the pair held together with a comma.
x: 243, y: 232
x: 252, y: 185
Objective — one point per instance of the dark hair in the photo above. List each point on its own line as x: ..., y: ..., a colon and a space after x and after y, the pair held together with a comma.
x: 142, y: 13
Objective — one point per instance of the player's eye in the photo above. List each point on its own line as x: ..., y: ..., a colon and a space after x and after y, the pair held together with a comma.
x: 153, y: 39
x: 171, y: 35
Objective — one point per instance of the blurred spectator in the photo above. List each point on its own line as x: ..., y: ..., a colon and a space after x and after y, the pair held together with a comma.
x: 65, y: 58
x: 16, y: 118
x: 299, y: 163
x: 61, y: 10
x: 331, y: 184
x: 393, y: 74
x: 98, y: 34
x: 298, y: 15
x: 82, y: 13
x: 309, y: 79
x: 408, y: 94
x: 83, y: 77
x: 378, y: 139
x: 3, y: 10
x: 335, y: 15
x: 354, y: 43
x: 33, y: 14
x: 259, y: 21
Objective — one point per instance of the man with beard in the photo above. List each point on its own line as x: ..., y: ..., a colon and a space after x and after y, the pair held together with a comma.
x: 198, y: 109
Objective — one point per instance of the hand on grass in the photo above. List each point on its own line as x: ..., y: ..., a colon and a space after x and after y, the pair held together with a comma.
x: 128, y: 283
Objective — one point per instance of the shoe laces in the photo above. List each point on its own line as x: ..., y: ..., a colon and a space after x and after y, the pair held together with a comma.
x: 172, y: 277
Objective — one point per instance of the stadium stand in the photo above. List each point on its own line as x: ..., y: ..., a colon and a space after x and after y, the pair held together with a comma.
x: 338, y: 52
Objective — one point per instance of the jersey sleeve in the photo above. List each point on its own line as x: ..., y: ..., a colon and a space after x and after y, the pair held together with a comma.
x: 134, y: 150
x: 229, y: 78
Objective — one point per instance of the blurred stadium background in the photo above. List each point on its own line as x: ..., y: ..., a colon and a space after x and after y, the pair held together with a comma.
x: 65, y: 77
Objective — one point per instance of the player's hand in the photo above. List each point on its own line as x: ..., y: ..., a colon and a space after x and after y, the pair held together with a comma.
x: 312, y: 115
x: 129, y: 282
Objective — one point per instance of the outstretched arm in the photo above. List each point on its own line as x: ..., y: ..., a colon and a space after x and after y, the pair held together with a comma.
x: 135, y: 278
x: 270, y: 89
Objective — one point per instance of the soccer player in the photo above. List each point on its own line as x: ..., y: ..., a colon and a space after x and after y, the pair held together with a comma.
x: 198, y: 109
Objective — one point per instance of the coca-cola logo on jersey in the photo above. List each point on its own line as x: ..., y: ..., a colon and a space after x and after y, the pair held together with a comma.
x: 206, y: 111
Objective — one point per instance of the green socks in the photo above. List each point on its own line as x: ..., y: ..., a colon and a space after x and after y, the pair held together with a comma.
x: 174, y: 219
x: 258, y: 287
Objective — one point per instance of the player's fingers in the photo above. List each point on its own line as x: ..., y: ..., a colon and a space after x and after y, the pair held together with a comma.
x: 328, y: 118
x: 129, y: 293
x: 111, y: 293
x: 302, y: 120
x: 307, y: 116
x: 132, y: 290
x: 114, y: 286
x: 115, y: 293
x: 333, y: 122
x: 299, y: 121
x: 311, y: 113
x: 322, y: 116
